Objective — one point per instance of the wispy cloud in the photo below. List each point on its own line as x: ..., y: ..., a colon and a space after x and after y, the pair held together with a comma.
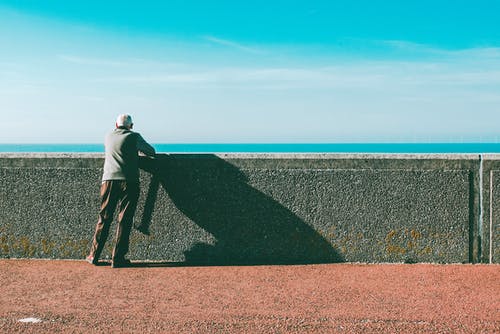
x: 94, y: 61
x: 127, y: 63
x: 408, y: 46
x: 443, y: 70
x: 412, y: 47
x: 370, y: 74
x: 161, y: 78
x: 232, y: 44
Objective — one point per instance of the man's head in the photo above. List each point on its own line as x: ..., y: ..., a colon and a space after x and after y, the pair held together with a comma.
x: 125, y: 121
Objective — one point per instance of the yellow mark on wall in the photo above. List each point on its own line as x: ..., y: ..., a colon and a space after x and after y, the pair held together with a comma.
x: 406, y: 241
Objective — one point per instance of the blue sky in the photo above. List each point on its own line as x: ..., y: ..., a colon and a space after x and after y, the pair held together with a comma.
x: 253, y: 71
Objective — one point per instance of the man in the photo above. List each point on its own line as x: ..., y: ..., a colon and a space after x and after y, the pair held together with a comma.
x: 120, y: 187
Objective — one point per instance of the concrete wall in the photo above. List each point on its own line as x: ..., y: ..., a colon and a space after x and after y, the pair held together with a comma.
x: 263, y: 209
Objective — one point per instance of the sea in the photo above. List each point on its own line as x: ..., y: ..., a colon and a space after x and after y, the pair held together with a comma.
x: 375, y: 148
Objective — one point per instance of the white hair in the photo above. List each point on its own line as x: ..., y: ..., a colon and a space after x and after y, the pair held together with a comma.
x: 124, y: 120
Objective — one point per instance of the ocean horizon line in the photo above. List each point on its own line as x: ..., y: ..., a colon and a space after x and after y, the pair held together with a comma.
x: 355, y: 147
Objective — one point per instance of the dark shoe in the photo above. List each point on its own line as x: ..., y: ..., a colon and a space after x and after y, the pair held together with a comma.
x: 143, y: 229
x: 91, y: 260
x: 121, y: 263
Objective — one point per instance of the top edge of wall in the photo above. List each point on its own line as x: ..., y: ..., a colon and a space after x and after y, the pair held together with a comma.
x: 402, y: 156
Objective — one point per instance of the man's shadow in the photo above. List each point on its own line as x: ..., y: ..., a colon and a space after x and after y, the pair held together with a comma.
x: 250, y: 227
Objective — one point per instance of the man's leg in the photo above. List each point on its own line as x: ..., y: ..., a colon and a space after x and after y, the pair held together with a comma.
x: 130, y: 193
x: 109, y: 198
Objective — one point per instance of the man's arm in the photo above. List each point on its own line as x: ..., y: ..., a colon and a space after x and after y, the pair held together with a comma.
x: 144, y: 147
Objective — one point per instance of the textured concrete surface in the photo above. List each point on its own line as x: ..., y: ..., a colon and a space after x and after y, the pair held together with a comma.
x: 254, y: 209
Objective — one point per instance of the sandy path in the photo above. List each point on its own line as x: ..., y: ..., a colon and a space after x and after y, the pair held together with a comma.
x: 75, y: 297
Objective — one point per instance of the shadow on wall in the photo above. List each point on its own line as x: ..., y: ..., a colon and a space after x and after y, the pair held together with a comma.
x: 249, y: 226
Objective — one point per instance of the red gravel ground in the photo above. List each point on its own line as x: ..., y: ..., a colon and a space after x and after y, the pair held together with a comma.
x: 75, y: 297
